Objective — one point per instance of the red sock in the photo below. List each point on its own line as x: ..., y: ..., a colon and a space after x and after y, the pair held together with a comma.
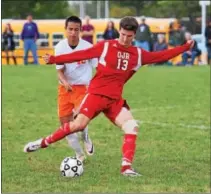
x: 128, y: 150
x: 125, y: 168
x: 59, y: 134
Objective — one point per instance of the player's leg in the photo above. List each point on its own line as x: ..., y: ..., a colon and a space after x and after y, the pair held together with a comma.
x: 74, y: 142
x: 26, y: 51
x: 65, y: 113
x: 73, y: 139
x: 78, y: 98
x: 7, y: 57
x: 33, y: 47
x: 129, y: 126
x: 14, y: 57
x: 68, y: 128
x: 120, y: 115
x: 87, y: 112
x: 88, y: 144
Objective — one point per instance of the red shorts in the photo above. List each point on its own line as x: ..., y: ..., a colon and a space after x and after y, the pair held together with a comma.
x: 94, y: 104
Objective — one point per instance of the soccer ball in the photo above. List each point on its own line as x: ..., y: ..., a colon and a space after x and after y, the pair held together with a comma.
x: 71, y: 167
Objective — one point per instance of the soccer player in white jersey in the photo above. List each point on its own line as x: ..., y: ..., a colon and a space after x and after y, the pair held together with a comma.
x: 73, y: 82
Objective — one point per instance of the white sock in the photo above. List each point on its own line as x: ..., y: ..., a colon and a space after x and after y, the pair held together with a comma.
x: 73, y: 142
x: 125, y: 163
x: 84, y: 134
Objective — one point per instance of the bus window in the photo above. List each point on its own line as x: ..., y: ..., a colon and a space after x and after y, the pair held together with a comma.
x: 43, y: 40
x: 56, y: 37
x: 99, y: 37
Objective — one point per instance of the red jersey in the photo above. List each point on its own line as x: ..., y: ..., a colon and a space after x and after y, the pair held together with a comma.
x: 116, y: 64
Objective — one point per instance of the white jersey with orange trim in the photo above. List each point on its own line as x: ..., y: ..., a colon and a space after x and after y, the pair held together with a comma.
x: 75, y: 73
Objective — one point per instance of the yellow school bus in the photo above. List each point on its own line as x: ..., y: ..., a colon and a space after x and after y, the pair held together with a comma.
x: 52, y: 31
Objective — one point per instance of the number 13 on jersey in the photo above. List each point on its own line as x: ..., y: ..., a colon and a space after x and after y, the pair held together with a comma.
x: 122, y: 64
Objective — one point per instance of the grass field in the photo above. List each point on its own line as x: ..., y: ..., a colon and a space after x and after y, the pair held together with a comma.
x: 173, y: 147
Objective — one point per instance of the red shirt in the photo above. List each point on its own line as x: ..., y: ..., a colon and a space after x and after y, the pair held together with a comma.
x: 88, y: 27
x: 116, y: 64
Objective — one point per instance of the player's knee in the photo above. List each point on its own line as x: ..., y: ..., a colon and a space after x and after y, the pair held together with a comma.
x: 130, y: 127
x: 82, y: 126
x: 79, y: 126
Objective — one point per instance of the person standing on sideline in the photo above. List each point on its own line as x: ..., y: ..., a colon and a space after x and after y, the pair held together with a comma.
x: 110, y: 32
x: 29, y: 35
x: 87, y: 31
x: 143, y: 35
x: 73, y: 82
x: 9, y: 43
x: 160, y: 45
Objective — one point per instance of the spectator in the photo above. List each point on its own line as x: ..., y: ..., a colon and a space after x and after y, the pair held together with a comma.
x: 8, y: 43
x: 143, y: 35
x: 110, y: 32
x: 192, y: 53
x: 29, y: 35
x: 208, y: 40
x: 176, y: 37
x: 87, y: 31
x: 160, y: 45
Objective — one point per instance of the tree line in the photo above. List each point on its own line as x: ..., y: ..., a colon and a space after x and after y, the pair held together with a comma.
x: 61, y: 9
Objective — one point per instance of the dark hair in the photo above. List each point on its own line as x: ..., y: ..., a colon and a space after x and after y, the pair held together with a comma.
x: 129, y: 23
x: 113, y: 26
x: 5, y: 29
x: 74, y: 19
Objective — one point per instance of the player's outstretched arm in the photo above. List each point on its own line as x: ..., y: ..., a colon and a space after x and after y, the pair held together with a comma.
x: 162, y: 56
x: 93, y: 52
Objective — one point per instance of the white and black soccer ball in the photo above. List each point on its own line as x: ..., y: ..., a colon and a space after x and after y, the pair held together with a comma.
x: 71, y: 167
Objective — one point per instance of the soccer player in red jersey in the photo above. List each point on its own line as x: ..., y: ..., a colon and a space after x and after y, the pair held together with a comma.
x: 118, y: 61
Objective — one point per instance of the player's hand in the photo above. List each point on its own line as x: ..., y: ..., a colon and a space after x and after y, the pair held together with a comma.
x: 191, y: 43
x: 67, y: 86
x: 49, y: 59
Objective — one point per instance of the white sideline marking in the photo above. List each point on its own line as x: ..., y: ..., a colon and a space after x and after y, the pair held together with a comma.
x: 177, y: 124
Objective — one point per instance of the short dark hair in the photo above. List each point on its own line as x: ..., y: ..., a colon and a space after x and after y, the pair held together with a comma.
x: 129, y: 23
x: 74, y: 19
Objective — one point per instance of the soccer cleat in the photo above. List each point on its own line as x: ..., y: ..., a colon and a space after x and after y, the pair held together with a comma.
x: 88, y: 145
x: 130, y: 172
x: 32, y: 146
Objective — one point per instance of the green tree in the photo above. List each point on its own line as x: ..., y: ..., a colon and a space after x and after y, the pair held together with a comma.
x: 38, y: 8
x: 119, y: 12
x: 136, y: 6
x: 177, y: 9
x: 16, y: 9
x: 52, y: 10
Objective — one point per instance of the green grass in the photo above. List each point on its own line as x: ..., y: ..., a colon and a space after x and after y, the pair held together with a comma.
x: 173, y: 146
